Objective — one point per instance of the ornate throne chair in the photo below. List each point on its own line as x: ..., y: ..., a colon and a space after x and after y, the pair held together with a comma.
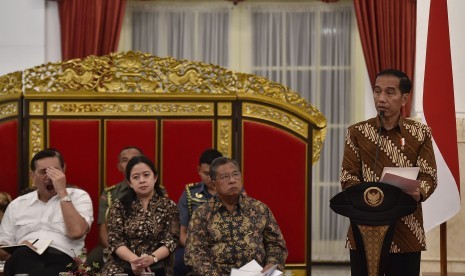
x: 173, y: 109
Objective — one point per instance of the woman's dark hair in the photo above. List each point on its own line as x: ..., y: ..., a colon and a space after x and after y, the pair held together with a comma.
x: 130, y: 197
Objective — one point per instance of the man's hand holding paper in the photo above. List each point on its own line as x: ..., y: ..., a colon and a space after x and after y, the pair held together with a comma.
x: 404, y: 178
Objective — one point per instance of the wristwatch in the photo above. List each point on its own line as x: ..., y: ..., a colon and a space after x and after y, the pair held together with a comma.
x: 155, y: 259
x: 66, y: 198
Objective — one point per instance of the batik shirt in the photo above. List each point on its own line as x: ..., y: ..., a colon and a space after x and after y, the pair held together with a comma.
x: 408, y: 144
x: 142, y: 231
x: 219, y: 240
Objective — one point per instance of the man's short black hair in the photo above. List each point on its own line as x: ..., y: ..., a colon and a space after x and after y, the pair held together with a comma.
x: 45, y: 154
x: 130, y: 147
x: 208, y: 156
x: 405, y: 84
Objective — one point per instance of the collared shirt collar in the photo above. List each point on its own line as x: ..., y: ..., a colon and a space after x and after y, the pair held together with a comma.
x: 219, y: 205
x: 398, y: 126
x: 34, y: 197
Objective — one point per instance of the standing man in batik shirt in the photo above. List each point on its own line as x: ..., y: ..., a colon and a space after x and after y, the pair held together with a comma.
x: 388, y: 140
x: 231, y: 229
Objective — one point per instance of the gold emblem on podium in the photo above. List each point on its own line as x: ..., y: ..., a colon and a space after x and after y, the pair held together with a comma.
x: 373, y: 196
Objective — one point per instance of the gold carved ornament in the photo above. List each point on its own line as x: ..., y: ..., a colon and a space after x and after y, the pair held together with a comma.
x: 136, y: 75
x: 11, y: 86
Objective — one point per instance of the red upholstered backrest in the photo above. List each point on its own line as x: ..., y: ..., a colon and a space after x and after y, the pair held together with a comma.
x: 9, y: 143
x: 274, y: 171
x: 122, y: 133
x: 78, y: 141
x: 182, y: 143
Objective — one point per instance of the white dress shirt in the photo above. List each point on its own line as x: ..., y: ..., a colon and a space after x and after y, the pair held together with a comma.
x: 28, y: 218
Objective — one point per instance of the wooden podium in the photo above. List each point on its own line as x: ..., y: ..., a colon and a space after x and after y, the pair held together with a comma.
x: 373, y: 208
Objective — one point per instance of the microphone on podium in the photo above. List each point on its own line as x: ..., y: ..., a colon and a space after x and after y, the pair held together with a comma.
x: 381, y: 115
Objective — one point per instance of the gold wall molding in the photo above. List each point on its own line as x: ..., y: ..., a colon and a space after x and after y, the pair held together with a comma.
x: 36, y: 133
x: 139, y: 108
x: 8, y: 109
x: 276, y: 116
x: 224, y: 137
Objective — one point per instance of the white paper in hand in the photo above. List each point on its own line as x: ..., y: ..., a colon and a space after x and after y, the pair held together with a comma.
x: 406, y: 172
x: 404, y: 178
x: 252, y: 268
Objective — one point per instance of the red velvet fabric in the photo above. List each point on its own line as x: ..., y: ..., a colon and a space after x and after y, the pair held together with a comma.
x: 122, y: 133
x: 79, y: 143
x: 388, y: 32
x: 9, y: 161
x: 183, y: 141
x: 90, y: 27
x: 274, y: 172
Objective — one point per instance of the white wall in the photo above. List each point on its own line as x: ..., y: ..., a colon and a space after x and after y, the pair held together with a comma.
x: 22, y: 34
x: 29, y: 34
x: 52, y: 32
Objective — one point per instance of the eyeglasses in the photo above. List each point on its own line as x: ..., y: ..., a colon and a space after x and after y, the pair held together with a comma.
x: 228, y: 177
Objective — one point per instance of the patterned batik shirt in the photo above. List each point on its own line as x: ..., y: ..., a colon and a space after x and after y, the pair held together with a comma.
x: 408, y: 144
x: 142, y: 231
x: 219, y: 240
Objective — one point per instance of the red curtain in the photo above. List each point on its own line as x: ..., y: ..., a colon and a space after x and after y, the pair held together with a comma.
x: 388, y: 31
x: 90, y: 27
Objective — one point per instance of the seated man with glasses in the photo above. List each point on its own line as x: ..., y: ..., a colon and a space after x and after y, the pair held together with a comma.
x: 231, y: 229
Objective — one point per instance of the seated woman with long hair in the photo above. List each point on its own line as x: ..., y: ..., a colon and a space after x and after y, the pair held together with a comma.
x: 143, y: 226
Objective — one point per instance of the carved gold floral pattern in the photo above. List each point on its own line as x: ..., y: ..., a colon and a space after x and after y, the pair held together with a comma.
x: 85, y: 108
x: 277, y: 116
x: 36, y: 143
x: 136, y: 75
x: 224, y: 137
x: 225, y: 109
x: 11, y: 84
x: 9, y: 109
x: 36, y: 108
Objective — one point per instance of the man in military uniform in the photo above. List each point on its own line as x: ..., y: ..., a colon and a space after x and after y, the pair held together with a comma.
x: 106, y: 200
x: 194, y: 195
